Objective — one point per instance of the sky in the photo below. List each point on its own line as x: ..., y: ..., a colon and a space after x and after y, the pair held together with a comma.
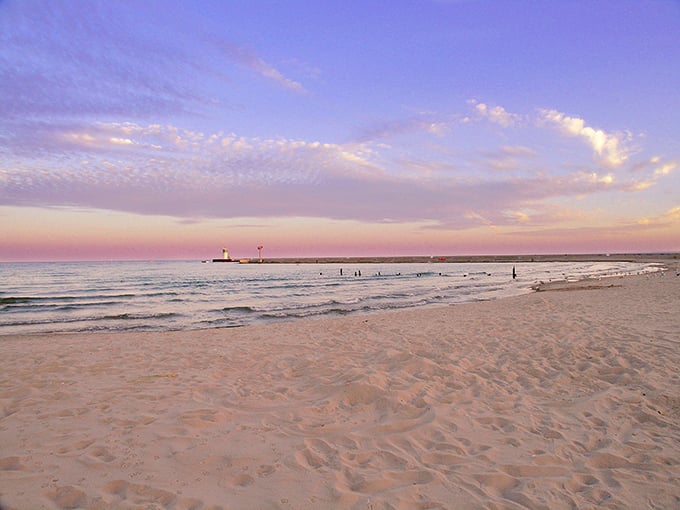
x: 171, y: 129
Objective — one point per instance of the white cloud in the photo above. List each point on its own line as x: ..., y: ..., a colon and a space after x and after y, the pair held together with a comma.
x: 497, y: 114
x: 608, y: 147
x: 605, y: 179
x: 438, y: 128
x: 666, y: 169
x: 121, y: 141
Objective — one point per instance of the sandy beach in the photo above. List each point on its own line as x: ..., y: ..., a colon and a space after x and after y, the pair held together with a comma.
x: 565, y: 398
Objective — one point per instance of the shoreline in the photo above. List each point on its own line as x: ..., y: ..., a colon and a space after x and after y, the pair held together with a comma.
x: 549, y: 399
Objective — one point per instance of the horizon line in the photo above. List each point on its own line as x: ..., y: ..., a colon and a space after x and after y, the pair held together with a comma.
x: 440, y: 258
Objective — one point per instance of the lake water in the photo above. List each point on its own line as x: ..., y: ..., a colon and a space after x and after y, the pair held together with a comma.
x: 177, y: 295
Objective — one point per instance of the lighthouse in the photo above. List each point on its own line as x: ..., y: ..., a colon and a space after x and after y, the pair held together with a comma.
x: 225, y: 253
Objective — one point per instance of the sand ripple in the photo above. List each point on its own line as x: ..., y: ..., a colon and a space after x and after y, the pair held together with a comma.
x: 552, y: 400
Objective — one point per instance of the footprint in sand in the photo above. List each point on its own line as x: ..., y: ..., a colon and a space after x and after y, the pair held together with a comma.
x: 308, y: 459
x: 389, y: 481
x: 11, y: 464
x: 535, y: 472
x: 497, y: 482
x: 103, y: 454
x: 243, y: 480
x: 608, y: 461
x: 581, y: 483
x: 77, y: 446
x: 265, y: 470
x: 140, y: 494
x: 68, y: 497
x: 443, y: 459
x: 317, y: 454
x: 497, y: 423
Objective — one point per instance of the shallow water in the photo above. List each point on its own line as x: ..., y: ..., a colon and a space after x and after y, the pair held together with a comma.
x: 120, y: 296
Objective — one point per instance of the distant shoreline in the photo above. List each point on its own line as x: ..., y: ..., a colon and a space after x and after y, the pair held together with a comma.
x: 662, y: 258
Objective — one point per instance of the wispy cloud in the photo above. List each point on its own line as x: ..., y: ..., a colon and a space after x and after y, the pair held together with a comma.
x: 518, y: 151
x: 250, y: 59
x: 510, y: 157
x: 108, y: 64
x: 667, y: 217
x: 165, y: 169
x: 435, y: 125
x: 55, y: 66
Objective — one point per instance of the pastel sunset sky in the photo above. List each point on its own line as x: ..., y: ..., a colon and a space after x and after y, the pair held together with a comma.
x: 169, y: 129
